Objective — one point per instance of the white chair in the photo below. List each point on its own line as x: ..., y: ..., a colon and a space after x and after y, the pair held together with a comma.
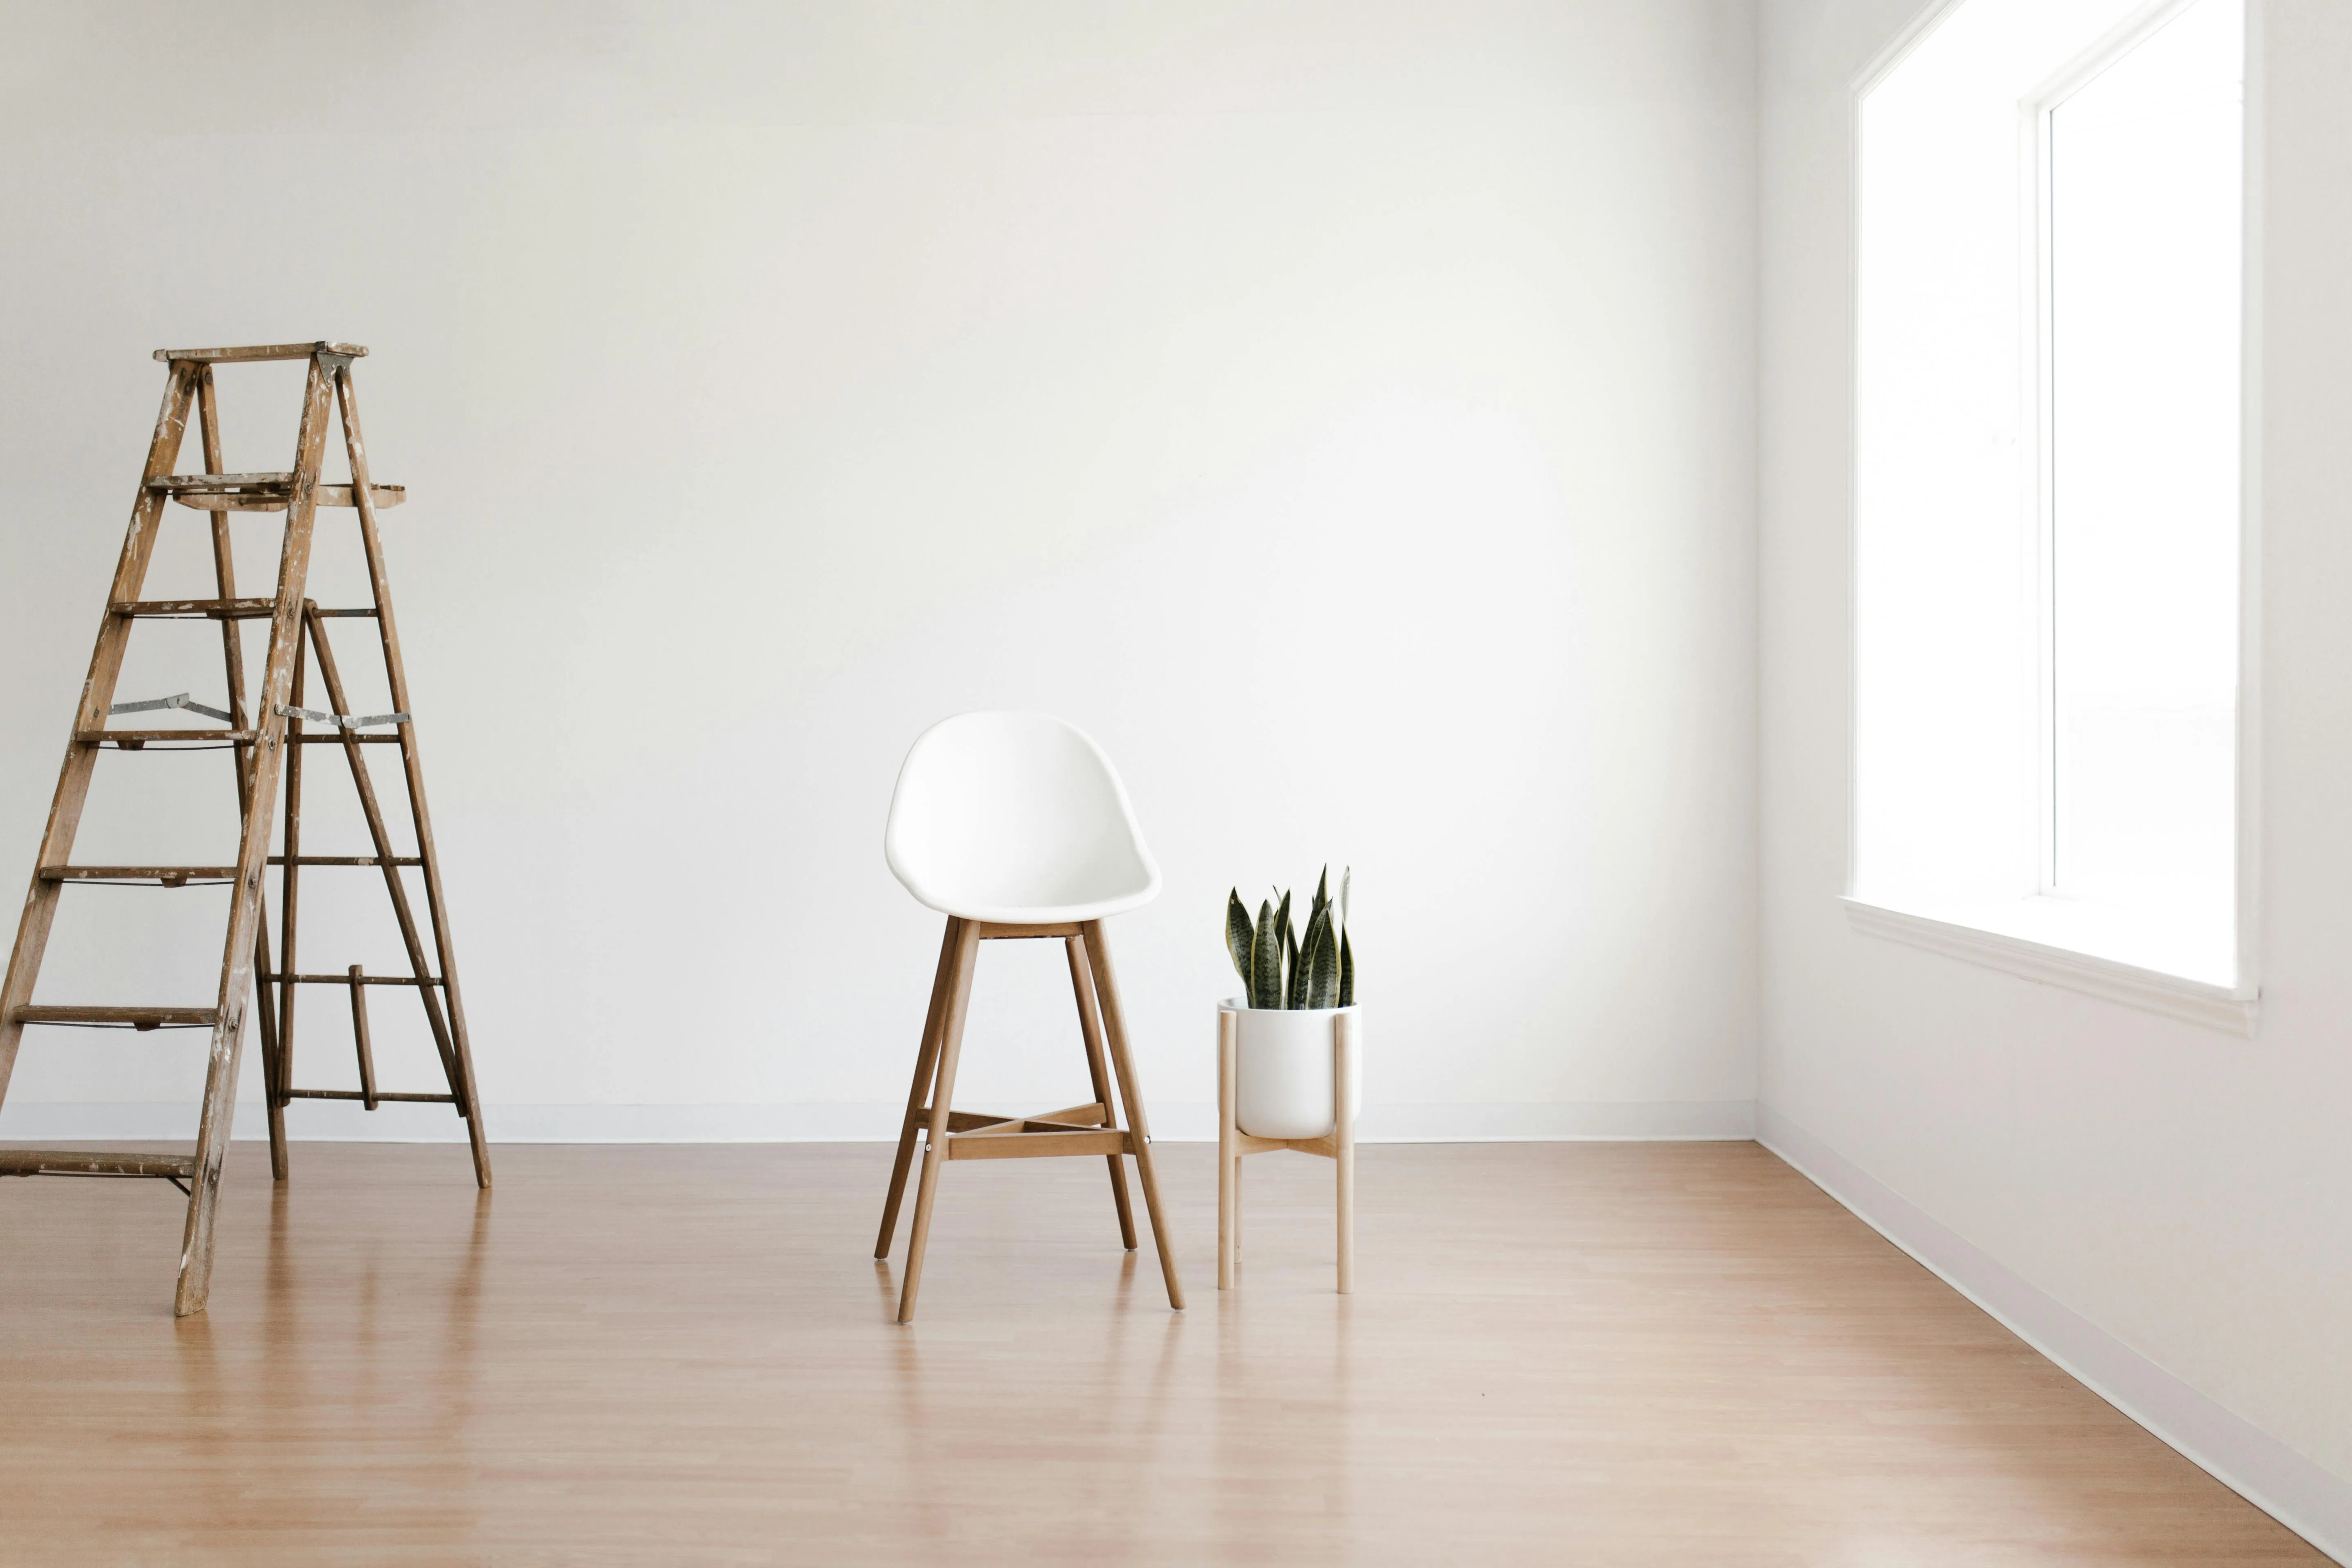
x: 1015, y: 825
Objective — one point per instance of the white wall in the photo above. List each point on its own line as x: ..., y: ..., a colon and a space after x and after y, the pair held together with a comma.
x: 2180, y: 1189
x: 1344, y: 412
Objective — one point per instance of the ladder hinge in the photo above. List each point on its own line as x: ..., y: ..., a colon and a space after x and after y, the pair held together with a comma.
x: 179, y: 700
x: 341, y: 720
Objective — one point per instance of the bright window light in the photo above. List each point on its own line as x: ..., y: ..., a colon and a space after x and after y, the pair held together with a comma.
x: 2047, y: 482
x: 2143, y: 314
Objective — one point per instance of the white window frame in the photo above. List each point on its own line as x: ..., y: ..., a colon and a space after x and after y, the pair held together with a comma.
x: 2235, y: 1009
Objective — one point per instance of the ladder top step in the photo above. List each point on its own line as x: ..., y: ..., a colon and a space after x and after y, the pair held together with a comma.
x: 175, y: 483
x: 137, y: 1017
x: 262, y: 351
x: 261, y: 492
x: 95, y: 1163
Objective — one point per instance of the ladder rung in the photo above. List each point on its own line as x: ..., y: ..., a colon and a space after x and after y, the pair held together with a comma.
x: 264, y: 351
x: 134, y: 738
x: 95, y: 1163
x: 212, y: 609
x: 347, y: 860
x: 348, y: 980
x: 137, y: 1017
x: 361, y: 1094
x: 170, y: 876
x: 340, y: 737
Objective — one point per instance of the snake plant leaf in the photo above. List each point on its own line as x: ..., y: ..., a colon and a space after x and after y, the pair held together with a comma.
x: 1347, y: 961
x: 1313, y: 950
x: 1288, y: 961
x: 1322, y: 896
x: 1323, y: 964
x: 1240, y: 935
x: 1347, y: 882
x: 1266, y: 961
x: 1294, y: 993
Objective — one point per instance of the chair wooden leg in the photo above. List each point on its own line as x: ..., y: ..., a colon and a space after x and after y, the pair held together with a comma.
x: 1090, y: 1025
x: 951, y: 1033
x: 927, y: 1060
x: 1228, y: 1147
x: 1115, y: 1029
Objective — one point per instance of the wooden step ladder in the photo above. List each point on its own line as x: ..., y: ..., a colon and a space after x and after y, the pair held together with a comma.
x: 267, y: 739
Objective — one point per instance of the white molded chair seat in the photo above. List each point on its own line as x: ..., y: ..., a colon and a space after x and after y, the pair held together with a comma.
x: 1016, y: 819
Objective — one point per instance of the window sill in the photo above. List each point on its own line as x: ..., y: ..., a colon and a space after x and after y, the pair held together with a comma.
x: 1974, y: 936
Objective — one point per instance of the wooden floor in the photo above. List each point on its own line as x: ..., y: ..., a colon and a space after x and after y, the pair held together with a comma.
x: 1558, y: 1353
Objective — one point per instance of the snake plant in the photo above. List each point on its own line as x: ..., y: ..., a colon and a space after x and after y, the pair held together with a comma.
x: 1284, y: 969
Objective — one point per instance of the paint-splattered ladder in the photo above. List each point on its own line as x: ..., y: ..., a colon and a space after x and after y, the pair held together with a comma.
x: 267, y: 741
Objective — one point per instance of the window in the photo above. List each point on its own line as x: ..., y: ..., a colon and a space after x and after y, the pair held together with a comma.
x: 2048, y: 517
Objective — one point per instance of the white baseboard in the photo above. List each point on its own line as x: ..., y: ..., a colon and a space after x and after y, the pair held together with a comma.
x: 1176, y: 1123
x: 1556, y: 1122
x: 2312, y: 1501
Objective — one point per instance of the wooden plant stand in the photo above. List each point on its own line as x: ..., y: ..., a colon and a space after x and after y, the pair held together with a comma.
x: 1234, y: 1145
x: 268, y: 740
x: 1076, y: 1130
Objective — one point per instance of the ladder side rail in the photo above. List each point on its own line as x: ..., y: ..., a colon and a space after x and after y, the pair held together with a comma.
x: 97, y: 695
x: 253, y: 852
x: 233, y: 659
x: 225, y: 575
x: 290, y: 884
x: 372, y: 809
x: 413, y: 764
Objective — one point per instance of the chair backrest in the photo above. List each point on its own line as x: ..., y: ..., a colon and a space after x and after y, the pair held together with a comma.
x: 1015, y: 818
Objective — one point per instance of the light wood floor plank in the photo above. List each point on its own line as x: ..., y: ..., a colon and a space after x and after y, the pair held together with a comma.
x: 1569, y: 1353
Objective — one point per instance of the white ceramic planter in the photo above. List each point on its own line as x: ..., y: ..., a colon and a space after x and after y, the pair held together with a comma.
x: 1284, y: 1069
